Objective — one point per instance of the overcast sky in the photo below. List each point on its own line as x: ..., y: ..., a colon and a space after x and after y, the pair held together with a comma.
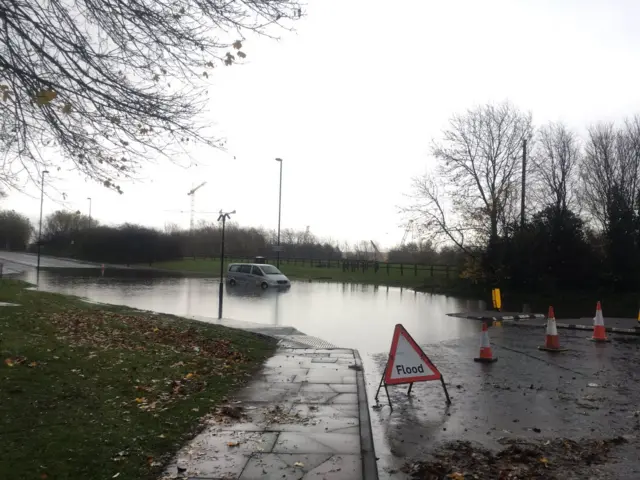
x: 352, y: 99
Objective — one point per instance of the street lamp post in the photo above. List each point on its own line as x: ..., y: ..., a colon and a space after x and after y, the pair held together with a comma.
x: 279, y: 160
x: 40, y: 224
x: 89, y: 198
x: 223, y: 216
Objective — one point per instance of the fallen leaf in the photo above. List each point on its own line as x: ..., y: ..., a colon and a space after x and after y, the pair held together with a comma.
x: 298, y: 464
x: 45, y: 96
x: 116, y: 475
x: 233, y: 444
x: 140, y: 400
x: 33, y: 364
x: 8, y: 362
x: 456, y: 476
x: 189, y: 375
x: 544, y: 461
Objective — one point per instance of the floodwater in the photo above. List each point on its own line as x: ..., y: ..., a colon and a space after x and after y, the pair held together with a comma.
x: 346, y: 315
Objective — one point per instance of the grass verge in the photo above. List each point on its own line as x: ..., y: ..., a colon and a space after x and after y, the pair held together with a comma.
x: 92, y: 391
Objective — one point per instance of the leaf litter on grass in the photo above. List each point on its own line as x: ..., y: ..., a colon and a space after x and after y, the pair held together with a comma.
x: 114, y: 367
x: 556, y: 459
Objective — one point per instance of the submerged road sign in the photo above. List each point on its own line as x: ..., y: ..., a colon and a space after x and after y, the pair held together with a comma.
x: 407, y: 363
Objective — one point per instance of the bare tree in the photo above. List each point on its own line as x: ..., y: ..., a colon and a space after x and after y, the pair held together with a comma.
x: 63, y: 222
x: 611, y: 166
x: 554, y: 166
x: 473, y: 192
x: 110, y: 83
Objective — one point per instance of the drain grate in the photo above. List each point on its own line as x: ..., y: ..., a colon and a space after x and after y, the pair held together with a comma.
x: 303, y: 341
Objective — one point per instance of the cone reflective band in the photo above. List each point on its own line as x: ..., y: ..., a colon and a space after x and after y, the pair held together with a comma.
x: 552, y: 340
x: 486, y: 355
x: 599, y: 333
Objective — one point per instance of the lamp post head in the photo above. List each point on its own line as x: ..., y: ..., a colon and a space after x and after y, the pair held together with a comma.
x: 278, y: 160
x: 45, y: 171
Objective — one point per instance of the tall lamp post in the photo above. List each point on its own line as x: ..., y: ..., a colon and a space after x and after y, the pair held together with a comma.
x: 279, y: 160
x: 89, y: 198
x: 40, y: 224
x: 223, y: 217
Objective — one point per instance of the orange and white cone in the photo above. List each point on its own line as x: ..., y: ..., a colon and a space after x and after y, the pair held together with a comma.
x: 486, y: 355
x: 599, y: 333
x: 552, y: 340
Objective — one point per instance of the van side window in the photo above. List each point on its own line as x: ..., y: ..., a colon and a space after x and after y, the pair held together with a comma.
x: 256, y: 271
x: 234, y: 268
x: 245, y: 269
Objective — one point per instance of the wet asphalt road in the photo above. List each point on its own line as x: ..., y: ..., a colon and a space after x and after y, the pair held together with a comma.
x: 591, y: 390
x: 20, y: 260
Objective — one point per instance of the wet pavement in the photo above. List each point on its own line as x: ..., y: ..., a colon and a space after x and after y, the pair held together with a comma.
x: 298, y: 419
x: 589, y: 391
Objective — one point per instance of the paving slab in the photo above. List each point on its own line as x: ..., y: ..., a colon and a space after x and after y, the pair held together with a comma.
x: 302, y: 417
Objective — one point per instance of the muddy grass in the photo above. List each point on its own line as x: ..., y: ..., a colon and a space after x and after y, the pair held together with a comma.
x: 92, y: 391
x: 557, y: 459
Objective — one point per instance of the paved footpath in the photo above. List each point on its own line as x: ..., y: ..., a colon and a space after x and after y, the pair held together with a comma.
x: 304, y: 416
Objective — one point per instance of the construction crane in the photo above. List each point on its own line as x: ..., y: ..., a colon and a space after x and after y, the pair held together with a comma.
x: 192, y: 194
x: 376, y: 251
x: 406, y: 232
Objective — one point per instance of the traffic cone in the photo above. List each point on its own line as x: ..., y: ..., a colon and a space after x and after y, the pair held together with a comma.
x: 638, y: 324
x: 599, y: 333
x: 552, y: 340
x: 486, y: 355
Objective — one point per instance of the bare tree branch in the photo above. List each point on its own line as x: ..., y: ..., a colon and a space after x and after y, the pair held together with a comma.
x: 554, y: 167
x: 611, y: 166
x: 108, y: 84
x: 472, y: 197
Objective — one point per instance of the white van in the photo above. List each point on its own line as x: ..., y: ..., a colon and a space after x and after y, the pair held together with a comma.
x: 259, y: 274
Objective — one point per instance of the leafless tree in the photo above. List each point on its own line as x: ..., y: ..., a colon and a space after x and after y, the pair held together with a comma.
x: 171, y: 228
x: 63, y: 222
x: 611, y: 164
x: 472, y: 193
x: 107, y: 84
x: 555, y: 164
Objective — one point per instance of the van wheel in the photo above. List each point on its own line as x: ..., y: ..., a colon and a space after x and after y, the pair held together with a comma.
x: 264, y: 285
x: 232, y: 282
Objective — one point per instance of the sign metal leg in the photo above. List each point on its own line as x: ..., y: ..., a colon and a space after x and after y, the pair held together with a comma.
x: 388, y: 397
x: 382, y: 384
x: 445, y: 390
x: 409, y: 391
x: 379, y: 387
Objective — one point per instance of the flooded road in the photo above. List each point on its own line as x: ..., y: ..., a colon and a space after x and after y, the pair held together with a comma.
x: 346, y: 315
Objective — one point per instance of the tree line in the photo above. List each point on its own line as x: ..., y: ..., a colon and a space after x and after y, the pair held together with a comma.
x: 580, y: 225
x: 75, y: 235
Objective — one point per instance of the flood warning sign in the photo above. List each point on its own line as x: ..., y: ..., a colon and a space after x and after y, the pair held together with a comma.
x: 407, y: 362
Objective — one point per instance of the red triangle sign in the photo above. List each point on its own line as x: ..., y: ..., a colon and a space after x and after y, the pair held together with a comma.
x: 407, y: 362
